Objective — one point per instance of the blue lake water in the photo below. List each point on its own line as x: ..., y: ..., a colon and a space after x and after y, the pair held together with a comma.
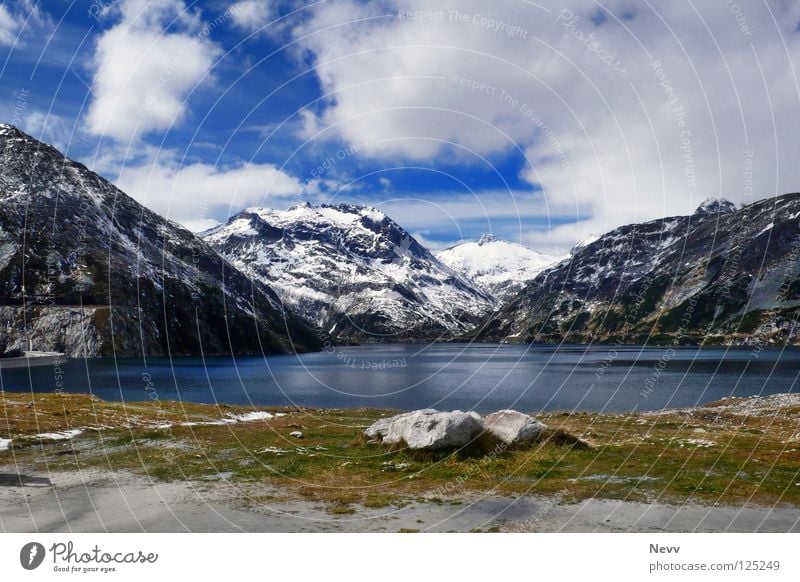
x: 445, y: 376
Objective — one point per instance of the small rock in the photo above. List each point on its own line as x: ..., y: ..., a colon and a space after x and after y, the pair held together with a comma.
x: 514, y: 428
x: 296, y: 434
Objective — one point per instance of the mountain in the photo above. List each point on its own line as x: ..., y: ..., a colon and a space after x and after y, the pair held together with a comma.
x: 351, y: 271
x: 499, y: 267
x: 92, y: 272
x: 721, y: 275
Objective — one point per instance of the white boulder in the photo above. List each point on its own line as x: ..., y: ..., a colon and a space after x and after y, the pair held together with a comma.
x: 514, y: 428
x: 428, y: 429
x: 380, y: 428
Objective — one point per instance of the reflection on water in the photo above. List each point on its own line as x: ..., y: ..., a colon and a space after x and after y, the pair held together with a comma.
x: 445, y: 376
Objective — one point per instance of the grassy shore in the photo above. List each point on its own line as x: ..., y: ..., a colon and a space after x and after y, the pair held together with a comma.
x: 731, y: 452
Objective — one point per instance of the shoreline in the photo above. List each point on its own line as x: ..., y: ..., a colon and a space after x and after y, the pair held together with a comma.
x: 76, y: 463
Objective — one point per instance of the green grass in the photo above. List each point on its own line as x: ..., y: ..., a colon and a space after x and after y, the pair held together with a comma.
x: 639, y: 458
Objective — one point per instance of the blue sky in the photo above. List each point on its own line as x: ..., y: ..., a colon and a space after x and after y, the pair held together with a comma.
x: 542, y: 123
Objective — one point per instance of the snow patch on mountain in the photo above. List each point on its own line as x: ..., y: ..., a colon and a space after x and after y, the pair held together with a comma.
x: 500, y: 267
x: 351, y: 269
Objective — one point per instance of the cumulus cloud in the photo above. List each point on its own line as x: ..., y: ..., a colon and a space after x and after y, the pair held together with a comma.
x: 145, y: 66
x: 197, y: 194
x: 252, y: 15
x: 626, y: 112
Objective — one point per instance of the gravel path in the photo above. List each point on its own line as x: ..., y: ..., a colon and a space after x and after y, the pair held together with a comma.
x: 97, y: 501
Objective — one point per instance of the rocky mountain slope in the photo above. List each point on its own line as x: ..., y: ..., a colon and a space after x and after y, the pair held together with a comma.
x: 352, y: 271
x: 499, y: 267
x: 721, y: 275
x: 87, y: 270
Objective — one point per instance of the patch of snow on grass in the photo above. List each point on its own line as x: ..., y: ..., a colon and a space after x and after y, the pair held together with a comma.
x: 699, y: 442
x: 59, y: 436
x: 251, y: 416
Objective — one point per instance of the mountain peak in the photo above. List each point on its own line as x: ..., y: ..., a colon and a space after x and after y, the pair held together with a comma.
x: 8, y: 131
x: 12, y: 132
x: 501, y: 269
x: 303, y: 204
x: 352, y: 269
x: 715, y: 206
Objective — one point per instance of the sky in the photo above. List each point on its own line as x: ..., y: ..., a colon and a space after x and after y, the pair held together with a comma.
x: 540, y: 122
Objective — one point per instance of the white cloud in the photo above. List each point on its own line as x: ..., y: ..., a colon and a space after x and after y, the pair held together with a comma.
x: 607, y: 132
x: 49, y: 128
x: 522, y: 217
x: 145, y: 66
x: 9, y: 27
x: 197, y: 194
x: 252, y: 15
x: 433, y: 245
x: 23, y: 19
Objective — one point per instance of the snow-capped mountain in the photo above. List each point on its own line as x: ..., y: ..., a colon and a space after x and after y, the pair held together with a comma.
x: 351, y: 271
x: 715, y: 206
x: 499, y: 267
x: 721, y: 275
x: 89, y: 271
x: 585, y: 242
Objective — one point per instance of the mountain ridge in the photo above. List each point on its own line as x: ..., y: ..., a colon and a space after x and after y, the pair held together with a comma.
x: 87, y: 270
x: 720, y: 275
x: 352, y: 271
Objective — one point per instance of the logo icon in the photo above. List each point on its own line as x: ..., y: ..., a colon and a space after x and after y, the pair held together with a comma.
x: 31, y: 555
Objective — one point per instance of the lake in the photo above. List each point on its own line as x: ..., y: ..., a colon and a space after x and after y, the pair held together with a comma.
x: 444, y: 376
